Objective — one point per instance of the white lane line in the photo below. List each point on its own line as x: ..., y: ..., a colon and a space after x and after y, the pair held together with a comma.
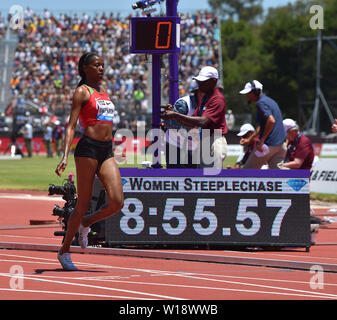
x: 70, y: 293
x: 313, y: 295
x: 152, y: 295
x: 29, y: 262
x: 261, y: 255
x: 303, y: 293
x: 30, y: 237
x: 227, y: 289
x: 298, y: 293
x: 119, y: 276
x: 29, y: 197
x: 116, y: 279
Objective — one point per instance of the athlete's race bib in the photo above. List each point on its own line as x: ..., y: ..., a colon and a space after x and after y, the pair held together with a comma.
x: 105, y: 110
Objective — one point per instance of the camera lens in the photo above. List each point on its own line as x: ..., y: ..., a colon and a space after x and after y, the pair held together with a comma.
x: 137, y: 5
x: 58, y: 211
x: 56, y: 190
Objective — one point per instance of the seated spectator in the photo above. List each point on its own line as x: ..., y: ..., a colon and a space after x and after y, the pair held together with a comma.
x: 300, y: 152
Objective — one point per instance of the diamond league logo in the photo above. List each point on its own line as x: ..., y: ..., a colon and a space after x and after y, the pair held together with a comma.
x: 124, y: 181
x: 297, y: 184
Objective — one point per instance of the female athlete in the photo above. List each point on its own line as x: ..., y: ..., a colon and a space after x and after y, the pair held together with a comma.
x: 93, y: 154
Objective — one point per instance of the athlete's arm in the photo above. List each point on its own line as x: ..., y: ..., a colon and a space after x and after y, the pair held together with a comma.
x: 81, y: 96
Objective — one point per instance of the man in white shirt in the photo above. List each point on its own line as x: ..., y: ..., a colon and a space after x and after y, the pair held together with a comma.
x: 28, y: 136
x: 47, y: 137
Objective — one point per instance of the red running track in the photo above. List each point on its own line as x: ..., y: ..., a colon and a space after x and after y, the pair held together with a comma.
x: 156, y: 274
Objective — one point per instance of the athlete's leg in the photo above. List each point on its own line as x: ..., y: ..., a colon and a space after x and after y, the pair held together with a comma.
x: 110, y: 177
x: 85, y: 174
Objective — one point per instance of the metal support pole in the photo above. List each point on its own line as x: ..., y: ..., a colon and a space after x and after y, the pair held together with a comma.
x: 315, y: 118
x: 171, y: 10
x: 314, y: 121
x: 156, y: 101
x: 220, y: 49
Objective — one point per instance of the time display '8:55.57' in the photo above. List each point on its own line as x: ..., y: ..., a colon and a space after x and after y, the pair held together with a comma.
x: 174, y: 221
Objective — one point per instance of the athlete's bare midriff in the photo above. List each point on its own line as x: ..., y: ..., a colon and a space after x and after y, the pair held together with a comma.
x: 99, y: 131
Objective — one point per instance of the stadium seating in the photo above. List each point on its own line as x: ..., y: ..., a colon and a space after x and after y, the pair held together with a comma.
x: 49, y: 46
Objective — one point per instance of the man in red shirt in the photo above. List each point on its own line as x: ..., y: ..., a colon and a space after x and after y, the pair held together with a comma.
x: 209, y: 117
x: 300, y: 152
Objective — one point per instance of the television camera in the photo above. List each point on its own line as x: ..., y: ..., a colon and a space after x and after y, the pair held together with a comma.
x: 143, y: 4
x: 68, y: 192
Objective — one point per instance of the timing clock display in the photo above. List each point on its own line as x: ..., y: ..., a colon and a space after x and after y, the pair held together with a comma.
x: 264, y: 211
x: 155, y: 35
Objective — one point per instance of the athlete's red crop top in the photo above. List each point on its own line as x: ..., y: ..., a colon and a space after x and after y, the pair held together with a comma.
x: 99, y: 109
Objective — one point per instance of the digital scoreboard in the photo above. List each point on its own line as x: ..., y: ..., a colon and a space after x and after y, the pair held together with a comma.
x: 236, y: 207
x: 155, y: 35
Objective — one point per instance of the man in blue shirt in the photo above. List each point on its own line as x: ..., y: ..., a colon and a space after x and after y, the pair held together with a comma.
x: 271, y: 148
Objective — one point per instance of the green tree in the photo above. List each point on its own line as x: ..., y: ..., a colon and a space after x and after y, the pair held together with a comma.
x: 241, y: 61
x: 329, y: 59
x: 247, y: 10
x: 271, y: 51
x: 290, y: 72
x: 280, y: 35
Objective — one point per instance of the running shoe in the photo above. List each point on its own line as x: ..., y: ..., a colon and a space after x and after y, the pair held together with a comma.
x: 66, y: 262
x: 83, y: 236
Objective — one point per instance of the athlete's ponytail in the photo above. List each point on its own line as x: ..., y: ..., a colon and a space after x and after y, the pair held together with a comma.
x: 84, y: 60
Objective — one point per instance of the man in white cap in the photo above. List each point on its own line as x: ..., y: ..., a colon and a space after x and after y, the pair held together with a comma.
x: 271, y: 147
x: 210, y: 114
x: 246, y: 132
x: 300, y: 152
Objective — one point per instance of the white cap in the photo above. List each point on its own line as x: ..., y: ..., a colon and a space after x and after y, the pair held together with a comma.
x: 247, y: 127
x: 289, y: 124
x: 207, y: 73
x: 248, y: 86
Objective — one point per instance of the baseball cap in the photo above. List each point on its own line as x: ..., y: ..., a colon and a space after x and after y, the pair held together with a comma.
x: 207, y: 73
x: 248, y: 87
x: 247, y: 127
x: 289, y: 124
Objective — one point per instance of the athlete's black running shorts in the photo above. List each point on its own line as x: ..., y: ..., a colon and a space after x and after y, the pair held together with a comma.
x: 95, y: 149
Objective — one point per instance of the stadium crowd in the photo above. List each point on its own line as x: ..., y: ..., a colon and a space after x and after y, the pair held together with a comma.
x: 2, y: 26
x: 49, y: 47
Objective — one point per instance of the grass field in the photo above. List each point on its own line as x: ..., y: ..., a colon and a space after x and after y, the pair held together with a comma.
x: 37, y: 173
